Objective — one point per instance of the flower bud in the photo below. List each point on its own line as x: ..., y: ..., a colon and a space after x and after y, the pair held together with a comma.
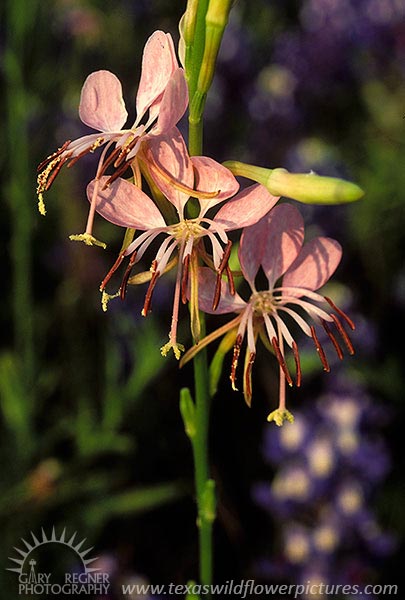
x: 308, y: 188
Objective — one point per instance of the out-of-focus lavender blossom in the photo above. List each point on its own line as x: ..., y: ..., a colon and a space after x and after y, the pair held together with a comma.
x: 328, y: 465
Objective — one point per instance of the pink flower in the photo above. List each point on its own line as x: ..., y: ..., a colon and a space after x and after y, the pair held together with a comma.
x: 162, y: 91
x: 275, y: 243
x: 179, y: 177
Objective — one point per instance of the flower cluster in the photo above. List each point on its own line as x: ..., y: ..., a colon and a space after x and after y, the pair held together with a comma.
x: 180, y: 209
x: 327, y: 468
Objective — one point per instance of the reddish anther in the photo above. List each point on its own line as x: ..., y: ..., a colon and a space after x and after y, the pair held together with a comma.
x: 184, y: 278
x: 343, y: 333
x: 320, y: 350
x: 124, y: 284
x: 87, y: 150
x: 217, y: 293
x: 55, y: 171
x: 231, y: 283
x: 152, y: 284
x: 112, y: 271
x: 109, y: 160
x: 235, y: 359
x: 297, y: 364
x: 332, y: 338
x: 341, y: 313
x: 52, y: 156
x: 281, y: 361
x: 248, y: 377
x: 115, y: 175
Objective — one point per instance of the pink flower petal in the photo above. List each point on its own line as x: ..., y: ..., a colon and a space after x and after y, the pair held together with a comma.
x: 284, y: 239
x: 174, y: 103
x: 211, y: 176
x: 124, y: 204
x: 101, y: 104
x: 206, y: 290
x: 251, y: 249
x: 246, y: 208
x: 314, y: 265
x: 158, y: 64
x: 169, y: 152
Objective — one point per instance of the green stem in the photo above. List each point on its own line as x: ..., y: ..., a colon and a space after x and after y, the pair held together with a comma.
x: 200, y: 363
x: 204, y: 25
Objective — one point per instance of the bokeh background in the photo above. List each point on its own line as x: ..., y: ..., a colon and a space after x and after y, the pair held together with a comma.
x: 91, y: 437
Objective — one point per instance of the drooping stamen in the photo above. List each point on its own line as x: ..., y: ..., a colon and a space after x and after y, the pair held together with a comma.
x: 54, y: 170
x: 181, y: 187
x: 332, y: 339
x: 235, y: 359
x: 112, y: 271
x: 51, y: 157
x: 111, y: 158
x: 298, y: 373
x: 184, y: 278
x: 117, y: 174
x: 225, y: 257
x: 231, y: 283
x: 223, y: 265
x: 320, y: 350
x: 341, y: 313
x: 281, y: 361
x: 217, y: 292
x: 125, y: 150
x: 247, y: 377
x: 124, y: 283
x: 152, y: 284
x: 90, y: 149
x: 343, y: 333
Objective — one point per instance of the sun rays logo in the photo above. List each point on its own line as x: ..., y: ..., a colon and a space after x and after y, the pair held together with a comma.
x: 86, y: 578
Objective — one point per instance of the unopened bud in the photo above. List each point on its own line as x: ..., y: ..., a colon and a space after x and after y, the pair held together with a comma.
x: 308, y: 188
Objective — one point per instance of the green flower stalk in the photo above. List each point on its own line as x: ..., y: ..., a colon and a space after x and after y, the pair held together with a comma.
x: 307, y: 188
x: 200, y: 56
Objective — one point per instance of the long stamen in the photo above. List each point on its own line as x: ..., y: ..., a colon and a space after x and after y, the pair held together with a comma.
x: 343, y: 333
x: 297, y: 364
x: 332, y: 339
x: 124, y: 284
x: 181, y: 187
x: 341, y: 313
x: 152, y: 284
x: 184, y: 278
x: 235, y: 359
x: 320, y: 350
x: 281, y: 361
